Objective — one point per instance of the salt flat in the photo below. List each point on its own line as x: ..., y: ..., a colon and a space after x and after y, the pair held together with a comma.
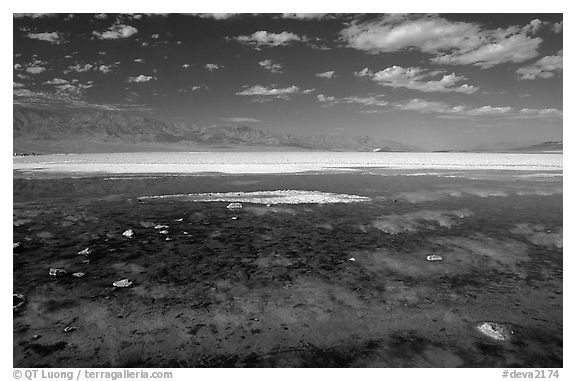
x: 282, y: 162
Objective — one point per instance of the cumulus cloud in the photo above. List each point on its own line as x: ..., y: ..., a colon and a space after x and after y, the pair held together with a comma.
x: 141, y: 78
x: 79, y: 68
x: 116, y: 31
x: 35, y: 69
x: 557, y: 27
x: 545, y: 67
x: 266, y: 39
x: 461, y: 111
x: 51, y: 37
x: 451, y: 42
x: 271, y: 66
x: 56, y: 81
x: 375, y: 100
x: 261, y: 94
x: 421, y: 220
x: 414, y: 78
x: 34, y: 15
x: 216, y: 16
x: 101, y: 16
x: 212, y: 67
x: 105, y: 68
x: 326, y: 74
x: 304, y: 16
x: 17, y: 85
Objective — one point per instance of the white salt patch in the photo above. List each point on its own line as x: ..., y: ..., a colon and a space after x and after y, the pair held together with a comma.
x: 267, y: 197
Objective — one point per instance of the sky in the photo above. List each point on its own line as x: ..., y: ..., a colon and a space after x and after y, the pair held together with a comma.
x: 438, y: 81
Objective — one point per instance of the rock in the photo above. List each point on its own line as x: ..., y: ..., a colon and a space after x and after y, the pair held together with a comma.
x: 161, y: 227
x: 70, y: 328
x: 495, y: 331
x: 122, y: 283
x: 16, y: 245
x: 168, y: 239
x: 128, y: 233
x: 179, y: 220
x: 433, y: 258
x: 86, y: 251
x: 185, y: 233
x: 352, y: 259
x: 234, y: 206
x: 78, y: 275
x: 163, y: 232
x: 18, y: 301
x: 57, y: 272
x: 235, y: 217
x: 86, y: 261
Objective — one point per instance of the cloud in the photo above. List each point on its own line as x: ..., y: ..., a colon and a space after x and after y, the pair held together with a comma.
x: 216, y: 16
x: 269, y: 65
x: 448, y: 111
x: 56, y: 81
x: 79, y: 68
x: 557, y: 27
x: 326, y: 74
x: 304, y: 16
x: 371, y: 101
x: 266, y: 39
x: 105, y: 68
x: 451, y: 42
x: 34, y: 15
x: 212, y: 67
x: 51, y: 37
x: 545, y: 67
x: 241, y: 120
x: 420, y: 220
x: 116, y: 31
x: 17, y: 85
x: 264, y: 94
x: 413, y: 78
x: 140, y: 79
x: 101, y: 16
x: 35, y: 69
x: 185, y: 66
x: 155, y: 36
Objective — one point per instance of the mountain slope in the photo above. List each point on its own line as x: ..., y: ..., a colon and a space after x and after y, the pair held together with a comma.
x: 120, y: 128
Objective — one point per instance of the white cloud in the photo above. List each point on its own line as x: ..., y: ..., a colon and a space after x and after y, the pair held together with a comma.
x: 116, y: 31
x: 263, y: 38
x: 304, y: 16
x: 326, y: 74
x: 557, y: 27
x: 414, y: 78
x: 51, y: 37
x: 105, y: 68
x: 545, y: 67
x: 216, y: 16
x: 374, y: 101
x: 35, y: 69
x: 34, y: 15
x: 212, y: 66
x: 185, y: 66
x: 269, y: 65
x: 451, y: 42
x: 17, y: 85
x: 56, y: 81
x: 139, y: 79
x: 101, y: 16
x: 272, y: 92
x: 448, y: 111
x: 80, y: 68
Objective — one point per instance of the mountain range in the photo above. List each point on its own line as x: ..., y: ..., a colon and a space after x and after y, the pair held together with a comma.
x: 46, y: 131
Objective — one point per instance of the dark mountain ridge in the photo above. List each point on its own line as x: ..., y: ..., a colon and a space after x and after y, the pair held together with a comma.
x: 128, y: 128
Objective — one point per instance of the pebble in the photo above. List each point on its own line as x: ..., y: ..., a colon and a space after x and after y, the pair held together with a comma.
x: 86, y: 251
x: 57, y: 272
x: 122, y: 283
x: 78, y: 275
x: 494, y: 330
x: 234, y: 205
x: 128, y: 233
x: 161, y: 227
x: 163, y: 232
x: 433, y: 258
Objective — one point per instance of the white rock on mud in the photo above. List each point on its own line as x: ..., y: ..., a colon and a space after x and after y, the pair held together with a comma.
x: 495, y: 331
x: 86, y: 251
x: 123, y: 283
x: 128, y: 233
x: 433, y: 258
x: 57, y: 272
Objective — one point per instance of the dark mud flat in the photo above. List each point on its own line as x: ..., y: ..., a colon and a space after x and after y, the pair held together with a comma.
x: 277, y: 287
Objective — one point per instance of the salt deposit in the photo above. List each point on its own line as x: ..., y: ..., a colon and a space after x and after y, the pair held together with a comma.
x: 267, y: 197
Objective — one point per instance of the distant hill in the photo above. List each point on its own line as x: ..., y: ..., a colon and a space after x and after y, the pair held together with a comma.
x: 551, y: 146
x: 117, y: 131
x: 542, y: 147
